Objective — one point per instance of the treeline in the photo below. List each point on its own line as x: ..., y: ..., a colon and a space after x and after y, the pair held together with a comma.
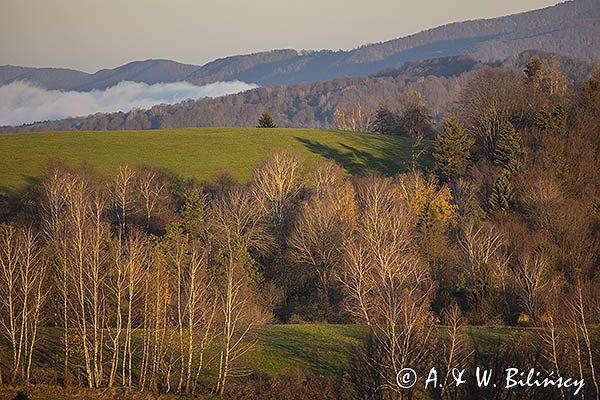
x: 155, y: 282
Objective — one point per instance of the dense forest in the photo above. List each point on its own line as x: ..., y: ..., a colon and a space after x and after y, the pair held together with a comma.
x: 156, y: 283
x: 314, y: 105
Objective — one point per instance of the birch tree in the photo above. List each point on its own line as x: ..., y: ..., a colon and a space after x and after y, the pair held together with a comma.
x: 87, y: 235
x: 54, y: 224
x: 22, y: 281
x: 277, y: 182
x: 238, y: 224
x: 387, y: 284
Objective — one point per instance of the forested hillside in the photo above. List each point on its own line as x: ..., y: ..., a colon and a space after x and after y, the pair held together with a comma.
x: 313, y: 105
x: 153, y: 284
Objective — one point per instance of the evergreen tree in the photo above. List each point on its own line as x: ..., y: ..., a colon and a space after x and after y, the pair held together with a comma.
x: 266, y: 121
x: 534, y: 71
x: 502, y: 193
x: 554, y: 121
x: 386, y: 122
x: 509, y: 153
x: 193, y: 212
x: 452, y: 150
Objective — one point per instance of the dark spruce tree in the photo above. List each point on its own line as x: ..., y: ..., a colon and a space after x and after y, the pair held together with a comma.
x: 554, y: 121
x: 266, y: 121
x: 534, y: 71
x: 508, y: 153
x: 452, y: 150
x: 193, y: 212
x: 502, y: 194
x: 386, y: 122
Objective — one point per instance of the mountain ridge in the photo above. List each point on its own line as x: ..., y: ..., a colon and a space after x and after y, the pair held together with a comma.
x: 567, y: 28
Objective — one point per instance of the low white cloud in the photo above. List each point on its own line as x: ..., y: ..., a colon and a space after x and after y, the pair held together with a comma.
x: 24, y: 102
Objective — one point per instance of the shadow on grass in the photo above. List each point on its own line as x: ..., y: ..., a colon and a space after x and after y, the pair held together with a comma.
x: 385, y: 154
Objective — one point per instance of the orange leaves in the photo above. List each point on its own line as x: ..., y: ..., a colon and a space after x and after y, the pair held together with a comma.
x: 429, y: 202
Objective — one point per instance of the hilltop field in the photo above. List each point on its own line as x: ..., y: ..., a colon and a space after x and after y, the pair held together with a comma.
x: 197, y: 153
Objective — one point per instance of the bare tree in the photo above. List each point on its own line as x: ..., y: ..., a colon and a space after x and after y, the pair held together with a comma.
x: 237, y: 213
x: 551, y: 337
x: 122, y: 196
x: 134, y: 271
x: 277, y: 182
x: 116, y: 288
x: 237, y: 225
x: 151, y: 190
x: 535, y: 284
x: 54, y: 222
x: 201, y: 304
x: 354, y: 118
x: 490, y: 100
x: 10, y: 264
x: 159, y: 299
x: 456, y: 351
x: 86, y: 234
x: 22, y: 279
x: 146, y: 321
x: 324, y: 222
x: 96, y: 277
x: 387, y: 284
x: 547, y: 76
x: 486, y: 264
x: 580, y: 311
x: 481, y: 244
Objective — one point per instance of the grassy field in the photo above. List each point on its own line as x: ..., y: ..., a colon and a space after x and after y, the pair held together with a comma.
x: 322, y: 349
x: 196, y: 153
x: 319, y: 349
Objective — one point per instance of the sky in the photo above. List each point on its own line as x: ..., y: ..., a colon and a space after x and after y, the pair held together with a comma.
x: 94, y: 34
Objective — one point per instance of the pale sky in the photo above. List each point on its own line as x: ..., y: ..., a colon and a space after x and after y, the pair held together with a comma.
x: 91, y: 35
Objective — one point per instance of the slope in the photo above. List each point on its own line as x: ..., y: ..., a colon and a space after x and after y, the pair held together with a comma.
x: 196, y: 153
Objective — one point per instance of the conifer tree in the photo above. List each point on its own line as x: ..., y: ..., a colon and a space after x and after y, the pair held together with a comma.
x: 386, y: 122
x: 552, y: 120
x: 509, y: 153
x: 266, y: 121
x: 452, y: 150
x: 192, y: 212
x: 534, y: 71
x: 502, y: 193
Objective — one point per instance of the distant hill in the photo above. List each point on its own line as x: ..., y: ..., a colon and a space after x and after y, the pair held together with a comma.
x: 149, y: 71
x: 570, y: 29
x: 575, y: 69
x: 49, y: 78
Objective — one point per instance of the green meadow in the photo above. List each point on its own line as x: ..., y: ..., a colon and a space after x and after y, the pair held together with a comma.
x: 197, y: 153
x: 320, y: 349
